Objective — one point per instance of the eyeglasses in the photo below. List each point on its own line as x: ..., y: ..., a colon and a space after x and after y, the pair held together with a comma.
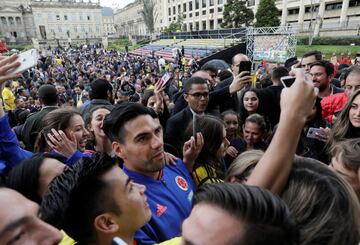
x: 198, y: 95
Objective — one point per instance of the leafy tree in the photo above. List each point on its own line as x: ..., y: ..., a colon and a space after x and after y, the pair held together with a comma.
x: 148, y: 14
x: 267, y: 14
x: 236, y: 14
x: 175, y: 25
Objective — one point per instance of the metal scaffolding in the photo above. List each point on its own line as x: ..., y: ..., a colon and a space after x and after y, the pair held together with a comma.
x: 286, y: 33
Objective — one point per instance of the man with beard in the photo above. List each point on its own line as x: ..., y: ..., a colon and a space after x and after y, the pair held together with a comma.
x: 322, y: 73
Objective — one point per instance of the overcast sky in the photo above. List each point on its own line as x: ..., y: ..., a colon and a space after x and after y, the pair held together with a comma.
x: 115, y: 3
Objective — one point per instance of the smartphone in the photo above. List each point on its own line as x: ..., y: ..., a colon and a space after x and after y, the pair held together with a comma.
x: 165, y: 78
x: 27, y: 59
x: 195, y: 125
x: 245, y: 66
x: 287, y: 81
x: 312, y: 133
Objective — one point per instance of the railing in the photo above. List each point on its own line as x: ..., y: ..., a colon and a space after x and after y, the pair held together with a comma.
x: 337, y: 25
x: 221, y: 33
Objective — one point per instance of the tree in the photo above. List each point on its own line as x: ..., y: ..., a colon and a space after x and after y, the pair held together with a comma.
x: 175, y: 26
x: 267, y: 14
x: 148, y: 14
x: 236, y: 14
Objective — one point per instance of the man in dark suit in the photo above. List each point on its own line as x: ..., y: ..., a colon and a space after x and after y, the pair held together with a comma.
x: 196, y: 94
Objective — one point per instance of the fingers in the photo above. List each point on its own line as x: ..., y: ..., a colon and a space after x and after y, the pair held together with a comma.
x: 7, y: 59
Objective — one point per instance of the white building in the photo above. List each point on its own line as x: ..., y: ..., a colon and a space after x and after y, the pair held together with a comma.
x: 108, y: 20
x: 50, y: 19
x: 129, y: 20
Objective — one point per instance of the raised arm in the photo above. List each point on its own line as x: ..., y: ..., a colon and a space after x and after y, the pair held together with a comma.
x: 274, y: 167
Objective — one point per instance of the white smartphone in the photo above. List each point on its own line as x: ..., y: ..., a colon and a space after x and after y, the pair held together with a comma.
x: 27, y: 59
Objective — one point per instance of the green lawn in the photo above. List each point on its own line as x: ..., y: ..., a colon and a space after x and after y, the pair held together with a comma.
x: 326, y: 49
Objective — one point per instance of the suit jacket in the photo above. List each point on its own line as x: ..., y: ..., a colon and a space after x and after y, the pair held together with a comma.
x: 175, y: 129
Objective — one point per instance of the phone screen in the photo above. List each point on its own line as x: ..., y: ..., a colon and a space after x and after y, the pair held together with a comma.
x: 287, y: 81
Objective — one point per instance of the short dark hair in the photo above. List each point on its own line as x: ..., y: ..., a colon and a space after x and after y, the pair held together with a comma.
x: 317, y: 54
x: 114, y: 122
x: 267, y: 218
x: 100, y: 88
x: 191, y: 81
x: 209, y: 67
x: 329, y: 67
x: 78, y: 196
x: 24, y: 177
x: 279, y: 72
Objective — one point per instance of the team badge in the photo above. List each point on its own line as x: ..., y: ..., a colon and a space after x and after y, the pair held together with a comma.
x: 181, y: 182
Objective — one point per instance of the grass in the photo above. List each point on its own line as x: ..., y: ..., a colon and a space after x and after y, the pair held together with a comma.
x: 20, y: 47
x: 326, y: 49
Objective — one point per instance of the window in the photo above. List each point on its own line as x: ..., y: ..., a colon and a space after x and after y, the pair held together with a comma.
x: 170, y: 19
x: 220, y: 9
x: 333, y: 6
x: 251, y: 3
x: 211, y: 11
x: 11, y: 20
x: 197, y: 4
x: 197, y: 26
x: 57, y: 17
x: 179, y: 8
x: 174, y: 10
x: 204, y: 12
x: 3, y: 20
x: 190, y: 15
x: 169, y: 11
x: 211, y: 24
x: 311, y: 9
x: 184, y: 7
x: 354, y: 3
x: 18, y: 20
x: 211, y: 3
x: 219, y: 21
x: 65, y: 17
x: 203, y: 3
x: 220, y: 1
x: 204, y: 25
x: 190, y: 6
x: 88, y: 17
x: 197, y: 13
x: 293, y: 11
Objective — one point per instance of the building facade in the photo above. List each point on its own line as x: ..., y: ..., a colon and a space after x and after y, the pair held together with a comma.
x: 108, y: 21
x: 129, y: 20
x: 50, y: 20
x: 304, y: 15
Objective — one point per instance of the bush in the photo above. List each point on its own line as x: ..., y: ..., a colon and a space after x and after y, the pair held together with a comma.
x: 330, y: 40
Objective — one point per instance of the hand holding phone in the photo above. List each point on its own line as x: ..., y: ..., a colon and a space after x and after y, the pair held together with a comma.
x: 27, y: 60
x: 245, y: 66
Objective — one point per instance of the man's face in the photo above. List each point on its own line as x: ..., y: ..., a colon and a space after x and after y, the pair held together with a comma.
x: 198, y: 97
x: 20, y: 224
x: 352, y: 83
x: 130, y: 199
x: 235, y: 65
x: 209, y: 224
x: 143, y: 147
x: 319, y: 77
x: 77, y: 90
x: 252, y: 133
x: 307, y: 61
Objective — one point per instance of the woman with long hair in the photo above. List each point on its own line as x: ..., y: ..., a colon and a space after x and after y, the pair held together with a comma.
x: 347, y: 125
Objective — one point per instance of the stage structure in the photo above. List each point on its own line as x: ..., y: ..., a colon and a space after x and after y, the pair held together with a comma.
x: 275, y: 44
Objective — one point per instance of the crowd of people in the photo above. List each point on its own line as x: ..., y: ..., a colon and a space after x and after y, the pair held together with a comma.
x: 103, y: 147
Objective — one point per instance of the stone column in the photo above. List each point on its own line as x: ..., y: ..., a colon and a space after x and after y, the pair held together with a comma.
x: 301, y: 14
x: 344, y: 9
x: 319, y: 18
x: 284, y: 13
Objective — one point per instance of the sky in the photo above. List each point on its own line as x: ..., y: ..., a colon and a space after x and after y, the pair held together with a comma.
x: 115, y: 3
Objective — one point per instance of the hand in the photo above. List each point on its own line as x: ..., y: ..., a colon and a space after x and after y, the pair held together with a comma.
x: 323, y: 134
x: 59, y: 142
x: 191, y: 150
x: 6, y: 65
x: 240, y: 81
x: 170, y: 159
x: 298, y: 100
x: 159, y: 104
x: 232, y: 151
